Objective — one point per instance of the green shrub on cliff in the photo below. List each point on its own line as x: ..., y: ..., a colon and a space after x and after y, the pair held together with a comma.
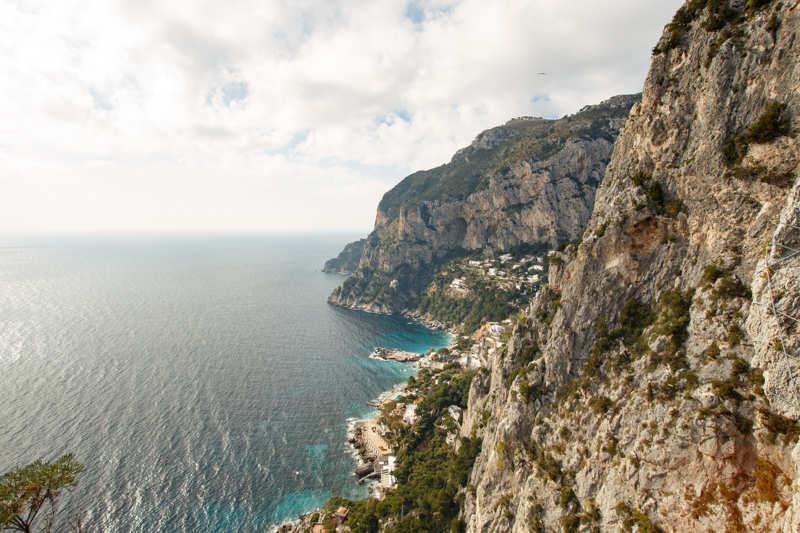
x: 719, y: 15
x: 772, y: 124
x: 492, y: 304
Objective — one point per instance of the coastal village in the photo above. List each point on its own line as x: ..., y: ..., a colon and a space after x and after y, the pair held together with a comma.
x: 465, y: 277
x: 374, y: 439
x: 398, y: 406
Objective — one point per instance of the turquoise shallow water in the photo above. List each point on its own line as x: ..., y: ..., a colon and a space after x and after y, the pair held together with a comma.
x: 192, y: 376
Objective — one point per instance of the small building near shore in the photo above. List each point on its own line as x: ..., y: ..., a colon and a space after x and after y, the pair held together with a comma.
x: 384, y: 465
x: 375, y: 444
x: 410, y: 416
x: 341, y: 515
x: 455, y: 412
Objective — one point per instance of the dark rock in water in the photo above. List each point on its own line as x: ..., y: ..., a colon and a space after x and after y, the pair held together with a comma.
x: 363, y: 470
x: 398, y: 356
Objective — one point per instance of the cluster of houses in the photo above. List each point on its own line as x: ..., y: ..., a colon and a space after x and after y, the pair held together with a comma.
x: 399, y: 409
x: 407, y: 411
x: 529, y: 269
x: 373, y: 437
x: 488, y: 338
x: 338, y: 520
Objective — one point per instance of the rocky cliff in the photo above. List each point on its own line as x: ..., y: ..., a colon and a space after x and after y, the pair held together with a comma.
x: 347, y: 260
x: 528, y: 181
x: 651, y: 385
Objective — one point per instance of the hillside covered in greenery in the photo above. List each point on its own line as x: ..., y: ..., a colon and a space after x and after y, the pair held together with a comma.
x: 431, y: 475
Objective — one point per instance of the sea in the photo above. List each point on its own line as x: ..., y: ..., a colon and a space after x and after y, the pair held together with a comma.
x: 203, y: 381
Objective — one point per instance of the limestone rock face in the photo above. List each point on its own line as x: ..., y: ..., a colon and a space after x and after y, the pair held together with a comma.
x: 774, y: 315
x: 594, y: 425
x: 531, y: 182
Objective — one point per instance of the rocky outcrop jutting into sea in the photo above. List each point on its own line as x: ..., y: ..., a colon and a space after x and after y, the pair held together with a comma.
x: 347, y: 260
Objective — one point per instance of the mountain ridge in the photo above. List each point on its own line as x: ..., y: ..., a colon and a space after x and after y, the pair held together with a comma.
x: 528, y: 181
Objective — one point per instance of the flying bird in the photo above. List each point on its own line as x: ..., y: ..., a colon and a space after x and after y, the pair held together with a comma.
x: 542, y: 74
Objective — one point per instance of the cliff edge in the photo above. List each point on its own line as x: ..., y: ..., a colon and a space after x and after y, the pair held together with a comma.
x: 649, y: 385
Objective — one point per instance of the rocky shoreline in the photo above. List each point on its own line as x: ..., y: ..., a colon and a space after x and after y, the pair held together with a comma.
x: 303, y: 523
x: 357, y: 441
x: 357, y: 438
x: 431, y: 323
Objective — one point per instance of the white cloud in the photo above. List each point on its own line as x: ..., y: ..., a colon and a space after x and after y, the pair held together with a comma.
x: 279, y: 114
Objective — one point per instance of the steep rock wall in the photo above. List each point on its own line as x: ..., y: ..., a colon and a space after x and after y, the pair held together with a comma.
x: 676, y: 425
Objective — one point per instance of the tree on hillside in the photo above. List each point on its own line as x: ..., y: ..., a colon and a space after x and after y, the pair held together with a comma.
x: 24, y: 491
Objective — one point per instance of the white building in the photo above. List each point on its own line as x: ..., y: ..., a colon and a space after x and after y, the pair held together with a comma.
x: 457, y: 283
x: 385, y: 466
x: 505, y: 257
x: 497, y: 329
x: 455, y: 412
x: 492, y: 271
x: 475, y: 263
x: 410, y: 417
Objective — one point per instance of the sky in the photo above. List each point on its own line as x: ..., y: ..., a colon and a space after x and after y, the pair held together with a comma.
x: 143, y: 116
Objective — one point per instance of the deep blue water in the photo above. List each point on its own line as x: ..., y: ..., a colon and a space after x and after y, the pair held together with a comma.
x: 192, y: 376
